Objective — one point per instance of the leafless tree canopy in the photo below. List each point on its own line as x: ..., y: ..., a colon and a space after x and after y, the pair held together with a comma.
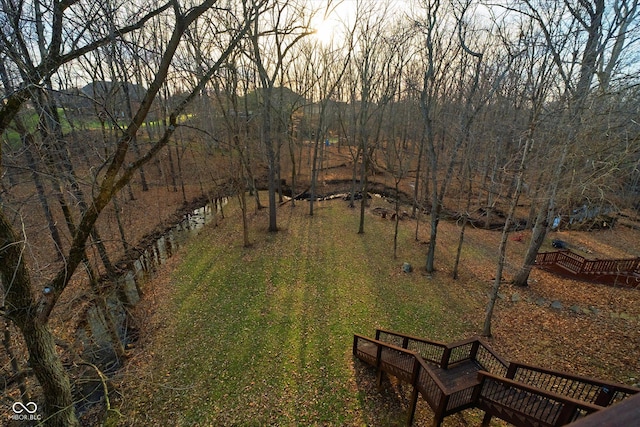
x: 478, y: 104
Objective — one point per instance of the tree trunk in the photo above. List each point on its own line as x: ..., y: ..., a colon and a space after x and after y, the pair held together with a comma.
x: 180, y: 175
x: 20, y: 374
x: 58, y: 408
x: 432, y: 240
x: 354, y: 175
x: 123, y: 237
x: 242, y: 199
x: 540, y: 230
x: 416, y: 186
x: 279, y: 171
x: 542, y: 221
x: 314, y: 175
x: 242, y: 195
x: 271, y: 157
x: 363, y: 204
x: 294, y: 172
x: 363, y: 180
x: 395, y: 229
x: 21, y: 308
x: 465, y: 220
x: 53, y: 229
x: 435, y: 206
x: 102, y: 251
x: 172, y: 171
x: 486, y: 330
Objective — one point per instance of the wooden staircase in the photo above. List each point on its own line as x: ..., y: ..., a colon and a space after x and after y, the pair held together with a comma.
x: 466, y: 374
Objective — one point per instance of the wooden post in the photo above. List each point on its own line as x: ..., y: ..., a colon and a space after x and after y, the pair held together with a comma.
x: 378, y: 367
x: 415, y: 378
x: 441, y: 409
x: 412, y: 406
x: 477, y: 391
x: 511, y: 371
x: 444, y: 363
x: 604, y: 396
x: 486, y: 419
x: 379, y: 380
x: 566, y: 413
x: 474, y: 350
x: 355, y: 345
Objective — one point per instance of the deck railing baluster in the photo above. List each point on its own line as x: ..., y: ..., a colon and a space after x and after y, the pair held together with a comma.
x: 624, y: 272
x: 538, y: 394
x: 538, y: 406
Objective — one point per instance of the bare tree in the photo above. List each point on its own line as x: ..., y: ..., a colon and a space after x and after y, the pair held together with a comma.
x: 373, y: 85
x: 582, y: 38
x: 502, y: 250
x: 227, y: 94
x: 431, y: 94
x: 29, y: 309
x: 283, y: 32
x: 328, y: 68
x: 398, y: 152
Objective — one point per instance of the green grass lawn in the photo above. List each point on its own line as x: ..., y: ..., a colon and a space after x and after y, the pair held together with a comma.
x: 86, y: 123
x: 263, y: 335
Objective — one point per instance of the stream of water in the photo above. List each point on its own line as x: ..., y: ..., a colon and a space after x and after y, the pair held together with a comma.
x: 93, y: 334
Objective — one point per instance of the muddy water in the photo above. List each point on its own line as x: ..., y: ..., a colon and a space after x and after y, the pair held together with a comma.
x: 93, y: 336
x: 163, y: 248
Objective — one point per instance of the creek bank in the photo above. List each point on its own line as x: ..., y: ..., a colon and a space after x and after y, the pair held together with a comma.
x: 94, y: 342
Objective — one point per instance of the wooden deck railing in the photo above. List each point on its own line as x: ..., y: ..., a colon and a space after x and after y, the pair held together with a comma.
x: 409, y: 366
x: 522, y: 404
x: 458, y: 352
x: 626, y: 413
x: 430, y: 351
x: 619, y: 271
x: 386, y: 357
x: 445, y: 355
x: 597, y: 392
x: 490, y: 360
x: 429, y: 385
x: 566, y: 259
x: 518, y: 393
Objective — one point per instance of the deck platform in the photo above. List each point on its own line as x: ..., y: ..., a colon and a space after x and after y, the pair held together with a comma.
x: 468, y: 373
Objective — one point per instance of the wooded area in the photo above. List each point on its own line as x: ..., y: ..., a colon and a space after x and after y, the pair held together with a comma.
x: 525, y: 107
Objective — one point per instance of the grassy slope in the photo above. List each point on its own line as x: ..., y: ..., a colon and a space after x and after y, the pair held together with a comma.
x: 263, y: 335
